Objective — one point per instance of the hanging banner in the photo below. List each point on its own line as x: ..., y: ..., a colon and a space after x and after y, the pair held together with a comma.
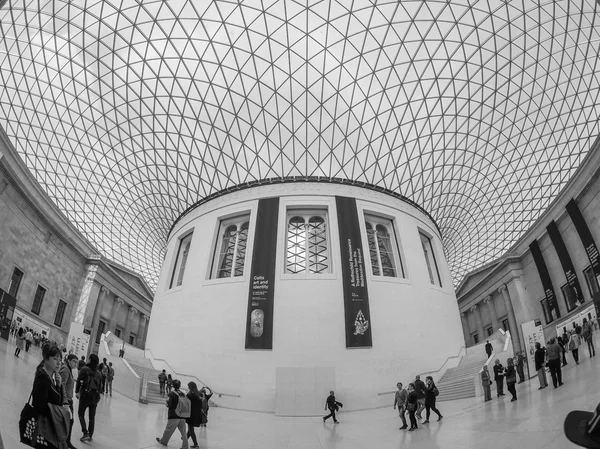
x: 78, y: 341
x: 585, y: 235
x: 545, y: 278
x: 354, y: 276
x: 259, y: 320
x: 565, y: 261
x: 7, y: 310
x: 533, y: 332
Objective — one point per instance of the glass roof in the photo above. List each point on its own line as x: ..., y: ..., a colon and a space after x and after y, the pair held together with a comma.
x: 127, y: 112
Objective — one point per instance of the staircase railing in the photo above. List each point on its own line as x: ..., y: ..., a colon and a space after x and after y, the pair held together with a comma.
x: 191, y: 376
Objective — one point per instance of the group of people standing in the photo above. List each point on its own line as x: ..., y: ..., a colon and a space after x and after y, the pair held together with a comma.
x: 417, y: 397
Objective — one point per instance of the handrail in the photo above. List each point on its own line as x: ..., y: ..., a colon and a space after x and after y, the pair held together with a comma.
x: 192, y: 376
x: 446, y: 361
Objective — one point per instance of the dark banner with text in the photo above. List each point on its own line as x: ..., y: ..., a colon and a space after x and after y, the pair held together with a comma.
x: 259, y: 322
x: 7, y: 310
x: 565, y: 260
x: 585, y: 235
x: 540, y: 263
x: 354, y: 276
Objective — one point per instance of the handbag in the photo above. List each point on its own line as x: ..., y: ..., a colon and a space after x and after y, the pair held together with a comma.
x: 411, y: 407
x: 29, y: 431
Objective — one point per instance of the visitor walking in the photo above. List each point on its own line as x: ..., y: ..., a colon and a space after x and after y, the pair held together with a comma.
x: 411, y: 406
x: 205, y: 395
x: 333, y: 406
x: 540, y: 359
x: 81, y: 363
x: 488, y: 348
x: 20, y: 341
x: 162, y: 379
x: 28, y: 339
x: 519, y: 366
x: 68, y: 383
x: 87, y: 390
x: 110, y: 375
x: 419, y: 388
x: 553, y: 354
x: 169, y: 383
x: 499, y: 377
x: 195, y: 418
x: 103, y: 368
x: 179, y: 410
x: 431, y: 392
x: 486, y: 382
x: 574, y: 343
x: 47, y: 400
x: 400, y: 401
x: 587, y: 335
x: 563, y: 349
x: 511, y: 378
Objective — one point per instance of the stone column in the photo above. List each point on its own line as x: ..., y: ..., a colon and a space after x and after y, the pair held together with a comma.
x: 512, y: 322
x: 465, y: 326
x: 493, y: 315
x: 114, y: 313
x: 130, y: 316
x: 475, y: 310
x: 141, y: 334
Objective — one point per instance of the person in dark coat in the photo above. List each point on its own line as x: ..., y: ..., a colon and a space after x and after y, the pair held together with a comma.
x: 511, y: 379
x: 87, y: 390
x: 540, y: 360
x: 431, y: 392
x: 499, y: 377
x: 488, y: 348
x: 195, y: 418
x: 333, y: 406
x: 411, y: 406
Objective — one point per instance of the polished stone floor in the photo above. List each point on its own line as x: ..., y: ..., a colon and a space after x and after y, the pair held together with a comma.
x: 534, y: 421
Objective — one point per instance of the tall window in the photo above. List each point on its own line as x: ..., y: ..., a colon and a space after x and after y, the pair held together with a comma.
x: 118, y: 333
x: 307, y: 248
x: 432, y: 267
x: 101, y: 327
x: 592, y: 281
x: 382, y: 247
x: 132, y: 339
x: 569, y: 297
x: 15, y: 282
x: 505, y: 325
x: 475, y: 339
x: 182, y: 255
x: 38, y: 299
x: 60, y: 313
x: 230, y: 250
x: 490, y: 331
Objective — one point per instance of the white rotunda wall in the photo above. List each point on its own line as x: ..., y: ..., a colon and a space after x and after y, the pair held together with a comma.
x: 200, y: 326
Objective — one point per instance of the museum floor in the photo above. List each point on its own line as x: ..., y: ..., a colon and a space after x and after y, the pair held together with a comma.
x: 534, y: 421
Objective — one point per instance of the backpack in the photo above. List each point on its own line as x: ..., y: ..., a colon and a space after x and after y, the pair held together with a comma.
x: 184, y: 407
x: 90, y: 389
x: 436, y: 392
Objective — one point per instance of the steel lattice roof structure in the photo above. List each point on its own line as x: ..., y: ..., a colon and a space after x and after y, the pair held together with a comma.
x: 128, y: 112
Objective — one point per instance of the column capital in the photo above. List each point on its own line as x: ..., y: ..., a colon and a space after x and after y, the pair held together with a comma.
x: 104, y: 290
x: 502, y: 288
x: 133, y: 310
x: 463, y: 315
x: 145, y: 317
x: 119, y: 300
x: 473, y: 308
x: 487, y: 299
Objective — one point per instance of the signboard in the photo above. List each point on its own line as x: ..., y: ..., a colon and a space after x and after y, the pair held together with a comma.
x: 78, y: 341
x: 354, y: 276
x: 259, y: 320
x: 25, y: 321
x: 533, y: 332
x: 565, y: 261
x: 7, y: 310
x: 545, y: 278
x: 577, y: 318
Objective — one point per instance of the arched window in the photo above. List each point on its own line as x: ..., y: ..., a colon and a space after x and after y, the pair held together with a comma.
x: 382, y: 247
x: 230, y: 259
x: 307, y: 243
x: 181, y: 260
x: 432, y: 267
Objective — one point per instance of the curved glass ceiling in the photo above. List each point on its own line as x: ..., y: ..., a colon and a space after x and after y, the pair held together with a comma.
x: 128, y: 112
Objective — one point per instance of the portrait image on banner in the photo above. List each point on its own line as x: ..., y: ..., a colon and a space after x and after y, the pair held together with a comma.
x: 7, y: 311
x: 259, y: 319
x: 354, y: 279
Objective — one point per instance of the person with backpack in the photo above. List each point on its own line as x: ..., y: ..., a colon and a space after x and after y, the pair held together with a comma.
x: 431, y: 392
x: 162, y: 379
x: 195, y: 419
x: 180, y: 409
x: 110, y: 375
x: 587, y: 335
x: 68, y: 383
x: 87, y: 390
x: 103, y: 368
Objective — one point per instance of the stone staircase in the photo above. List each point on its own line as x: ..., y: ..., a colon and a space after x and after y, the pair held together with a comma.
x: 457, y: 383
x: 153, y: 393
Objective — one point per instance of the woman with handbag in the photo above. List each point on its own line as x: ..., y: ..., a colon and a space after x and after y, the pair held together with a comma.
x: 431, y: 392
x: 511, y: 379
x: 486, y: 382
x: 20, y: 341
x: 411, y: 406
x: 195, y: 418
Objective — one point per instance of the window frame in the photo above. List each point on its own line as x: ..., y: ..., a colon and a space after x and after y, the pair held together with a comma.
x: 58, y: 322
x: 223, y: 223
x: 99, y: 331
x: 131, y: 339
x: 475, y: 337
x: 10, y: 281
x: 588, y: 282
x: 307, y: 212
x: 390, y: 224
x: 118, y: 332
x: 35, y: 296
x: 488, y: 329
x: 430, y: 272
x: 563, y: 287
x: 189, y: 233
